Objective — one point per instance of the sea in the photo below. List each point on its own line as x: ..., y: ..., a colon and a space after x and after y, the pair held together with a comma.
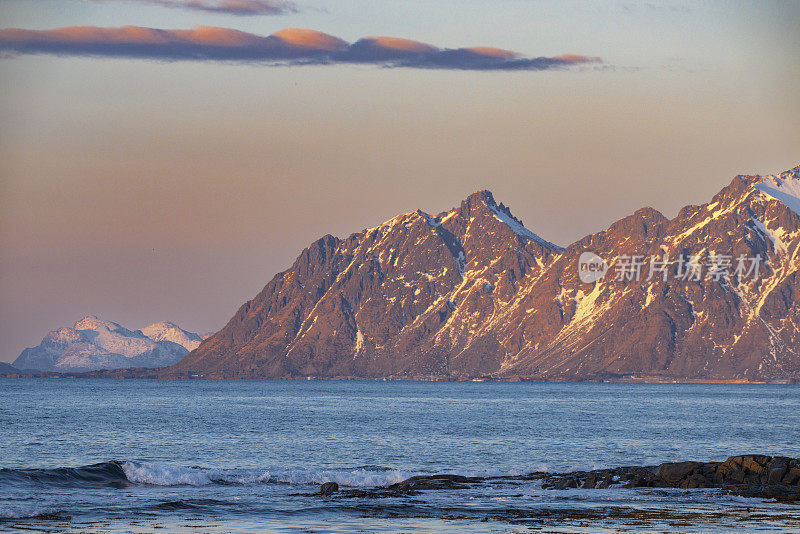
x: 95, y: 455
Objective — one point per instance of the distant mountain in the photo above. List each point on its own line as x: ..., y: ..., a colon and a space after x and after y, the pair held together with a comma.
x: 471, y: 292
x: 167, y: 331
x: 93, y: 344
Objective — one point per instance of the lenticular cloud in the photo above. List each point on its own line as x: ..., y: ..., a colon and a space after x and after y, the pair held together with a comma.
x: 291, y: 46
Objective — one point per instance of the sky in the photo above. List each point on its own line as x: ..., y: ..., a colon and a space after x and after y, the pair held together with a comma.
x: 163, y: 159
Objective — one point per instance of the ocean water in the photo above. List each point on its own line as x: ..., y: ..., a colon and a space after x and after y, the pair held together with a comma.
x: 249, y: 456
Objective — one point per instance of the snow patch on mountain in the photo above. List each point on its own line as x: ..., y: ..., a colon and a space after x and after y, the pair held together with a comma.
x: 359, y: 343
x: 780, y: 246
x: 784, y: 187
x: 433, y: 222
x: 517, y: 227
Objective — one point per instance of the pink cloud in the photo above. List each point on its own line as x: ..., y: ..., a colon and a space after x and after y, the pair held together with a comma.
x: 286, y: 47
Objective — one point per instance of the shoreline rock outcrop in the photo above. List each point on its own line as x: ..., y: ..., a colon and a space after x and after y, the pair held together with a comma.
x: 758, y: 476
x: 747, y: 475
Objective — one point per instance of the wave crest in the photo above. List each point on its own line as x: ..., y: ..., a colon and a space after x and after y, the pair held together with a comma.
x: 102, y: 474
x: 159, y: 475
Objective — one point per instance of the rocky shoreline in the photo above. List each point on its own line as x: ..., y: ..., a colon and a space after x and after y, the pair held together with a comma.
x: 758, y: 476
x: 770, y: 477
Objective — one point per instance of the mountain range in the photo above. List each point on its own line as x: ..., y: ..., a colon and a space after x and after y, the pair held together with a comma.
x: 93, y: 344
x: 713, y: 293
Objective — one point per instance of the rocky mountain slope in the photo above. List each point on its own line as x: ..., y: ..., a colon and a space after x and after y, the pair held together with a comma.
x: 93, y: 344
x: 712, y: 294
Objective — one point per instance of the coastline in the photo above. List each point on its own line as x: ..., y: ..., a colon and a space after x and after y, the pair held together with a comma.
x: 748, y: 491
x: 155, y: 374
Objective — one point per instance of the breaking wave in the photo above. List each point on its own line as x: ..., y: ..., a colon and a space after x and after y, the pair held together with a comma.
x: 125, y: 473
x: 157, y: 475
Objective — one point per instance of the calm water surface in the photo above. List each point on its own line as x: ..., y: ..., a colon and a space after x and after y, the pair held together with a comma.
x: 234, y: 456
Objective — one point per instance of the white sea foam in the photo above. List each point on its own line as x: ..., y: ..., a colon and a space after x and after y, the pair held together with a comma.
x: 167, y: 475
x: 18, y: 511
x: 162, y: 475
x: 159, y: 475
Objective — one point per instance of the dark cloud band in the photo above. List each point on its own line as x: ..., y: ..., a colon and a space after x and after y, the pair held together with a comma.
x: 287, y: 47
x: 229, y: 7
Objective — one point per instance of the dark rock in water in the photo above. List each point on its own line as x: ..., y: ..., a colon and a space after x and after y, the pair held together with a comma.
x: 792, y: 477
x: 328, y: 488
x: 566, y: 483
x: 776, y: 475
x: 433, y: 482
x: 782, y: 493
x: 638, y: 482
x: 606, y: 482
x: 415, y: 484
x: 675, y: 472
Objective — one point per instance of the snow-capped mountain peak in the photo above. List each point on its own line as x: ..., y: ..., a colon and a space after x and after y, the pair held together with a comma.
x: 92, y: 322
x: 169, y: 331
x: 93, y: 343
x: 784, y: 187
